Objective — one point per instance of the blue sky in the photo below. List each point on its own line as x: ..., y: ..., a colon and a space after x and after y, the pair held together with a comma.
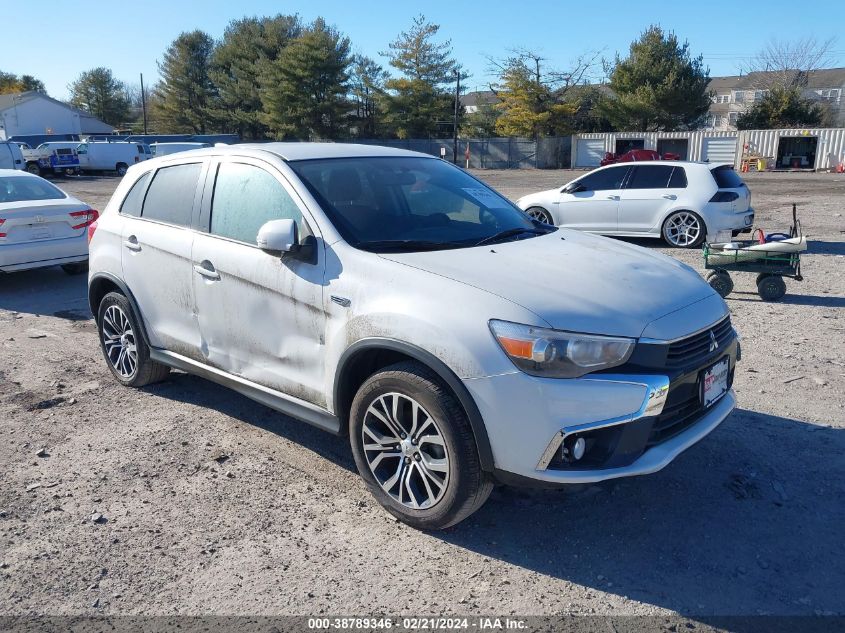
x: 56, y: 41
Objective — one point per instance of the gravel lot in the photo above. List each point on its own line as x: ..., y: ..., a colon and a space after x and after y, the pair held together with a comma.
x: 209, y: 503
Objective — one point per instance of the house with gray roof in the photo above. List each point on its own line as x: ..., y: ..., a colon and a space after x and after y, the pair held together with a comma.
x: 734, y: 95
x: 29, y: 113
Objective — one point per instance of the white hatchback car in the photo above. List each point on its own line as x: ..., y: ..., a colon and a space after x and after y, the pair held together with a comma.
x: 682, y: 202
x: 40, y: 225
x: 391, y: 297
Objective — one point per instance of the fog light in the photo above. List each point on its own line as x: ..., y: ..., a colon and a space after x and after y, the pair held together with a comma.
x: 574, y: 448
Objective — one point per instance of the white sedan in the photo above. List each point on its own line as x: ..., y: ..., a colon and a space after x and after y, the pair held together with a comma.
x: 40, y: 225
x: 682, y: 202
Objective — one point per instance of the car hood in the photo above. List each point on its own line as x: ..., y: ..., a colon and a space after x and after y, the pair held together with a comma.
x: 578, y: 282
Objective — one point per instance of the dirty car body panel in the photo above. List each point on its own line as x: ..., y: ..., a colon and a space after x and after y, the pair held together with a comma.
x: 285, y: 329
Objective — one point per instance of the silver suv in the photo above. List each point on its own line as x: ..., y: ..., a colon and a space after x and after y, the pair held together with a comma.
x: 391, y: 296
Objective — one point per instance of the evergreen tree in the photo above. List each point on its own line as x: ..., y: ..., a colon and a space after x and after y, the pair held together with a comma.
x: 304, y: 90
x: 420, y: 101
x: 237, y: 63
x: 185, y: 98
x: 99, y: 93
x: 366, y: 90
x: 528, y: 105
x: 659, y: 86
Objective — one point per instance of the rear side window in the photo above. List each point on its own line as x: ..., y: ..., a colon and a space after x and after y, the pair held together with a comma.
x: 650, y: 177
x: 678, y: 180
x: 170, y: 197
x: 132, y: 202
x: 245, y: 198
x: 604, y: 179
x: 726, y: 178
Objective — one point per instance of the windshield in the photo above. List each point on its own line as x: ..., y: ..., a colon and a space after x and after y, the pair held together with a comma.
x: 389, y: 203
x: 25, y: 188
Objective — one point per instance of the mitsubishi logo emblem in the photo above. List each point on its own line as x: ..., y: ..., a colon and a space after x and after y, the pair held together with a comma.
x: 714, y: 344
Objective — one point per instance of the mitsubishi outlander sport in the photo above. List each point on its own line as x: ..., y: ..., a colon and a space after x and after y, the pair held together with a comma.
x: 391, y: 297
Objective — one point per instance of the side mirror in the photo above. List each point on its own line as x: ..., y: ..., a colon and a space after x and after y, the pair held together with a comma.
x: 278, y: 236
x: 573, y: 187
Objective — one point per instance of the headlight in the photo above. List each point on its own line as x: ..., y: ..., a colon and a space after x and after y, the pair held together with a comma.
x: 556, y: 354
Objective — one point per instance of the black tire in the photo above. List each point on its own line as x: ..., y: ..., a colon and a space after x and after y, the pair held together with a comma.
x: 721, y: 282
x: 540, y: 214
x: 121, y: 168
x: 467, y: 486
x: 145, y: 371
x: 33, y: 168
x: 666, y: 232
x: 771, y: 287
x: 76, y: 268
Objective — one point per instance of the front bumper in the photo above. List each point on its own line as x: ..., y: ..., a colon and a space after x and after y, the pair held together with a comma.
x: 528, y: 419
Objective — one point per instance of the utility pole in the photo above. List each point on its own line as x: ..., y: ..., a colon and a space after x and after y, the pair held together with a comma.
x: 144, y: 103
x: 457, y: 104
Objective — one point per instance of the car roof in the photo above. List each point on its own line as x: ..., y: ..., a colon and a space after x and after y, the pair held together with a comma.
x: 682, y: 163
x: 310, y: 151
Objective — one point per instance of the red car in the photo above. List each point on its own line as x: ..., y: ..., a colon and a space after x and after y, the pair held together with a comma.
x: 636, y: 154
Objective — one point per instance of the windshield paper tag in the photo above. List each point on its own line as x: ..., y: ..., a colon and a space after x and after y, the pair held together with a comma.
x: 487, y: 198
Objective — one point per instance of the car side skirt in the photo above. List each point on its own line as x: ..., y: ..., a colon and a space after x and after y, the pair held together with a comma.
x: 275, y: 400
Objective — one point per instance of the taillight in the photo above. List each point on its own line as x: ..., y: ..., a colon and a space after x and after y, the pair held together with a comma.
x: 88, y: 217
x: 1, y: 224
x: 724, y: 196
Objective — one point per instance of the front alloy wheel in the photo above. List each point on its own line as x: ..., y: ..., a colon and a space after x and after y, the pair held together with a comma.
x: 684, y: 229
x: 539, y: 214
x: 405, y: 450
x: 415, y: 449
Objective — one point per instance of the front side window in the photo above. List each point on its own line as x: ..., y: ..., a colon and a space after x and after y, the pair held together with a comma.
x: 410, y: 203
x: 650, y: 177
x: 27, y: 188
x: 245, y: 198
x: 170, y: 197
x: 604, y: 179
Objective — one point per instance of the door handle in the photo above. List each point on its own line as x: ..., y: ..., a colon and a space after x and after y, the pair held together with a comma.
x: 613, y: 197
x: 670, y: 196
x: 131, y: 243
x: 206, y: 269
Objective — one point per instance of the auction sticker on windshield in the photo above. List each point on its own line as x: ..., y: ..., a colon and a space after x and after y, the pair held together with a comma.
x: 714, y: 382
x: 486, y: 197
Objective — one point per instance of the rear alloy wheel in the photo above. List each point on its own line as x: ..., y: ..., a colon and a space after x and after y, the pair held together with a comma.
x: 540, y: 214
x: 684, y: 229
x: 124, y: 349
x: 414, y: 448
x: 121, y: 168
x: 33, y: 168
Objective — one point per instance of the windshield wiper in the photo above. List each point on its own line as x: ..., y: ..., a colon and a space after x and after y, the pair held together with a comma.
x: 502, y: 235
x: 409, y: 245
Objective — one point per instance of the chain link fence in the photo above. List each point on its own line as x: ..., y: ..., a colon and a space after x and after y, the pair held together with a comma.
x: 554, y: 152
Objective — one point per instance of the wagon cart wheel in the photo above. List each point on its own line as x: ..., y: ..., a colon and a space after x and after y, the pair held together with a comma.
x: 721, y: 282
x: 771, y: 287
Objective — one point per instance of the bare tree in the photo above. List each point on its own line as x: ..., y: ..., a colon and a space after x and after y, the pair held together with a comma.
x: 555, y: 80
x: 787, y: 63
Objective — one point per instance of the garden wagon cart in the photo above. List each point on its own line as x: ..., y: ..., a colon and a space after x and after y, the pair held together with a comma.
x: 772, y: 257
